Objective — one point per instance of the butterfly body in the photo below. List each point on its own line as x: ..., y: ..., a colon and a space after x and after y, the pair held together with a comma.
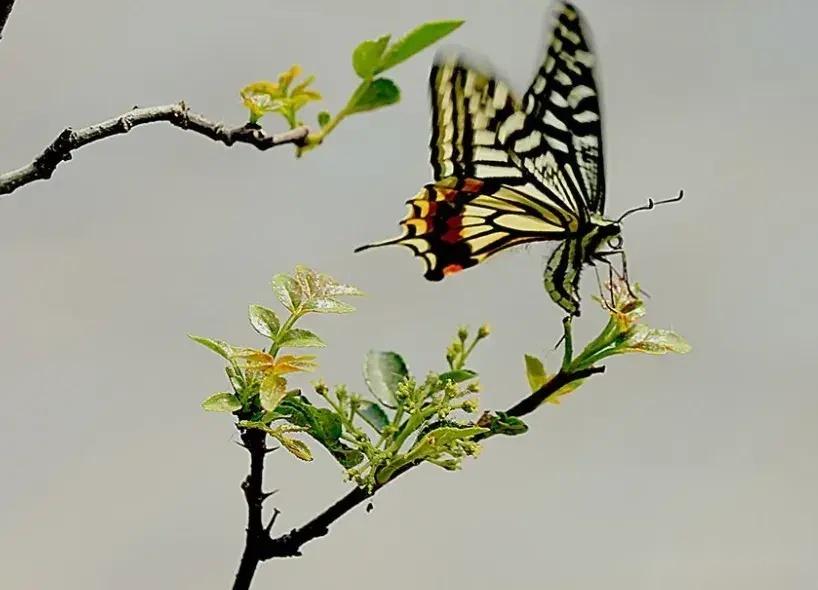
x: 510, y: 172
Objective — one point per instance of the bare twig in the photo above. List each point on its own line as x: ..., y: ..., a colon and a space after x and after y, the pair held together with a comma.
x: 5, y: 11
x: 177, y: 115
x: 289, y: 544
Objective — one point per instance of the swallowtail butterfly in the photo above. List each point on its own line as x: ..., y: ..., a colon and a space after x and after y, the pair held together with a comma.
x: 509, y: 172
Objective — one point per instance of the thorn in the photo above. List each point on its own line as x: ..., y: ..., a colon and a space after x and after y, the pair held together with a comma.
x: 270, y: 449
x: 265, y: 495
x: 241, y: 444
x: 370, y: 507
x: 273, y: 518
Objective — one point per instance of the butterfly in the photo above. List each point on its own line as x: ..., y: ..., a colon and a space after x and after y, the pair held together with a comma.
x: 509, y: 172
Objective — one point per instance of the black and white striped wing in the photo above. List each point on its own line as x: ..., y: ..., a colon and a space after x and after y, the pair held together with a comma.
x: 468, y: 107
x: 562, y: 113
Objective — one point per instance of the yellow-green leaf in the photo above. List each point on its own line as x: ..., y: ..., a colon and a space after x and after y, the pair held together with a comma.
x: 367, y: 56
x: 535, y: 372
x: 222, y: 402
x: 272, y: 390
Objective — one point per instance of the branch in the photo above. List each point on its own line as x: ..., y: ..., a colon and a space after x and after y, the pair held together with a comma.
x: 255, y: 443
x: 289, y: 544
x: 177, y: 115
x: 5, y: 11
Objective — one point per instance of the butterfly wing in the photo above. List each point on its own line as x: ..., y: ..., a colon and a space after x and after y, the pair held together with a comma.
x: 468, y: 106
x: 454, y: 224
x: 561, y: 113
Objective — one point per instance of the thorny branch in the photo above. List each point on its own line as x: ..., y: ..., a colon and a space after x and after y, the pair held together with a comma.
x: 261, y: 546
x: 176, y: 114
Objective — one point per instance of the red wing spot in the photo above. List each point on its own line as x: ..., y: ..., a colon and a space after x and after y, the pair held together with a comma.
x: 432, y: 209
x: 455, y: 224
x: 472, y: 185
x: 451, y: 269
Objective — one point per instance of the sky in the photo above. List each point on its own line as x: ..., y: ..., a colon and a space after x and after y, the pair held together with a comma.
x: 675, y: 472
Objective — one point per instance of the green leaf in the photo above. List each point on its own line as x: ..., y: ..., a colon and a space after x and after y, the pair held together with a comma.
x: 502, y: 423
x: 264, y: 321
x: 380, y: 93
x: 272, y: 390
x: 222, y: 402
x: 323, y: 425
x: 295, y: 446
x: 535, y: 372
x: 367, y: 56
x: 323, y: 118
x: 221, y: 348
x: 383, y: 372
x: 374, y: 415
x: 327, y: 305
x: 416, y: 41
x: 287, y: 291
x: 298, y: 338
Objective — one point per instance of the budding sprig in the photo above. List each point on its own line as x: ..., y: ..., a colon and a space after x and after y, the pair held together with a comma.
x: 621, y: 335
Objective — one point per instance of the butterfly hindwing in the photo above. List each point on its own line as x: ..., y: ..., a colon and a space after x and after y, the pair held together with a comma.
x: 454, y: 224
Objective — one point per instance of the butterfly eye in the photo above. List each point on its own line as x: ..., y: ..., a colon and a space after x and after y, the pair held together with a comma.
x: 615, y: 242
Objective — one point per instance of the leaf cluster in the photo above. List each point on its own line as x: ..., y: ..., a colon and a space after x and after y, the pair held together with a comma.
x: 370, y: 60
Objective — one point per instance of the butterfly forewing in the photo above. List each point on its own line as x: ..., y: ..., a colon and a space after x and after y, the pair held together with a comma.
x: 562, y: 115
x: 467, y: 108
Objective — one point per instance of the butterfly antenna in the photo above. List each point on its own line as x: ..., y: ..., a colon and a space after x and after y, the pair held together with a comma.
x: 651, y: 204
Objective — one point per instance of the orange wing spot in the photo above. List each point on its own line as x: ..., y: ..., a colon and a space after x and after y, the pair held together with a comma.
x: 448, y: 194
x: 451, y: 269
x: 472, y: 185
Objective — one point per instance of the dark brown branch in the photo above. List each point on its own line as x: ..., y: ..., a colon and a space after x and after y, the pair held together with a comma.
x: 560, y: 380
x: 289, y: 544
x: 256, y: 534
x: 177, y: 115
x: 5, y: 11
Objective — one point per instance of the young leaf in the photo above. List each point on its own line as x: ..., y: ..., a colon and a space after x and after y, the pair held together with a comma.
x: 383, y: 372
x: 502, y: 423
x: 535, y: 372
x: 374, y: 415
x: 327, y: 305
x: 416, y: 41
x: 287, y: 291
x: 292, y: 363
x: 264, y: 321
x: 298, y: 338
x: 653, y: 341
x: 221, y: 348
x: 323, y: 118
x: 380, y: 93
x: 457, y: 376
x: 367, y: 56
x: 272, y: 390
x: 222, y: 402
x: 295, y: 446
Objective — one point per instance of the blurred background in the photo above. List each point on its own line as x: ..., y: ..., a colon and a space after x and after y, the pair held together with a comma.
x: 680, y: 472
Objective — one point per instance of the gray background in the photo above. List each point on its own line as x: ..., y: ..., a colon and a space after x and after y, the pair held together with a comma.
x: 672, y: 473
